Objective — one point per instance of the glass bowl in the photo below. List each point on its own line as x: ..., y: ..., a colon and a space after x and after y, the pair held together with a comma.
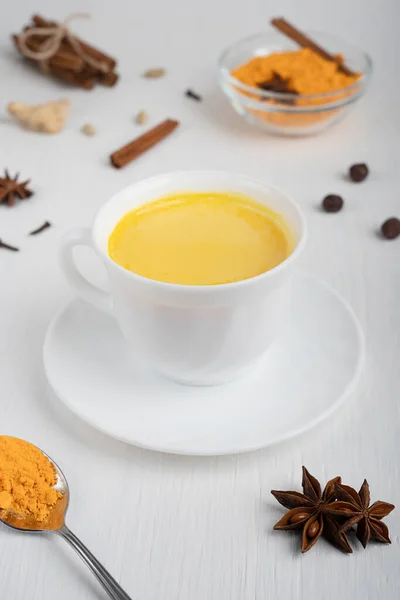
x: 291, y: 114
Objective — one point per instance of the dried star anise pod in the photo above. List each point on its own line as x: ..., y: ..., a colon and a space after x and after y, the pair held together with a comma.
x: 308, y: 512
x: 279, y: 85
x: 355, y: 509
x: 10, y: 188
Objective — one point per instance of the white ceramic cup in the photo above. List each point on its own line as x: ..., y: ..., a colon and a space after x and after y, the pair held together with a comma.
x: 197, y: 335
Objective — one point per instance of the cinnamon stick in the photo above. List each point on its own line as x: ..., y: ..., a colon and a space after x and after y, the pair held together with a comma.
x: 67, y: 64
x: 93, y: 52
x: 59, y: 71
x: 79, y: 79
x: 305, y: 42
x: 127, y: 153
x: 87, y: 78
x: 63, y: 59
x: 108, y: 79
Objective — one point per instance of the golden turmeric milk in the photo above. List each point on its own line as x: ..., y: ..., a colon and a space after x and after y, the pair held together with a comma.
x: 200, y: 239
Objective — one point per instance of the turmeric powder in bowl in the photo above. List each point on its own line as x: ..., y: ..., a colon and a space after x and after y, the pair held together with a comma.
x: 306, y: 72
x: 287, y: 90
x: 27, y: 480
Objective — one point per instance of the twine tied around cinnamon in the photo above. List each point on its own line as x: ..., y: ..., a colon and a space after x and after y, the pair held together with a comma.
x: 53, y: 37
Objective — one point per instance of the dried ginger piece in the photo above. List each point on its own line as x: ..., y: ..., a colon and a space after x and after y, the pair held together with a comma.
x: 47, y: 118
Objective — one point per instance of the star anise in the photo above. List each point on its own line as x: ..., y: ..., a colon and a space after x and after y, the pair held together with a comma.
x: 355, y: 509
x: 308, y: 512
x: 10, y: 189
x: 278, y: 84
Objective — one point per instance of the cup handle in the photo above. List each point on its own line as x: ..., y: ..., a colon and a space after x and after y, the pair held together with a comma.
x: 89, y: 292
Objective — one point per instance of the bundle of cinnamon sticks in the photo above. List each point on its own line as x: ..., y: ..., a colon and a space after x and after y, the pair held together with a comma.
x: 66, y: 63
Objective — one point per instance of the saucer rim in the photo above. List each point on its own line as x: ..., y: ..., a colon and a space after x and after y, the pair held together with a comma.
x: 360, y: 336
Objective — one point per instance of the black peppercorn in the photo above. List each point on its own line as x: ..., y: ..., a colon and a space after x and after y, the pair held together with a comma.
x: 358, y: 172
x: 332, y: 203
x: 391, y: 228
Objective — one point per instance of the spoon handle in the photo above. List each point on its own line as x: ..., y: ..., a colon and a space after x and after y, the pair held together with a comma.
x: 113, y: 589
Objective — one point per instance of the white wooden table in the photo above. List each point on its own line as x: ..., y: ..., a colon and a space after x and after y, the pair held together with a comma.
x: 168, y: 527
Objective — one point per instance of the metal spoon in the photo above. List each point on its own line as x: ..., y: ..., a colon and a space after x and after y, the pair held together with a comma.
x: 56, y: 524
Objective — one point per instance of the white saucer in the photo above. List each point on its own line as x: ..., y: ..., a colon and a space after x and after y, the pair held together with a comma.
x: 299, y: 382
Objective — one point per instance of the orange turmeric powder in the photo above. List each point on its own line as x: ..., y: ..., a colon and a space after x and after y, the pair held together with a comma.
x: 308, y: 73
x: 27, y: 480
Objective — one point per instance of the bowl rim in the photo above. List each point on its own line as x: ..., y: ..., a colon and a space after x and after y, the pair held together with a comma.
x: 268, y: 95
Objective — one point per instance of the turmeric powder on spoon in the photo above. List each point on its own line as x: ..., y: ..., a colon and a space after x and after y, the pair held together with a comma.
x: 27, y: 480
